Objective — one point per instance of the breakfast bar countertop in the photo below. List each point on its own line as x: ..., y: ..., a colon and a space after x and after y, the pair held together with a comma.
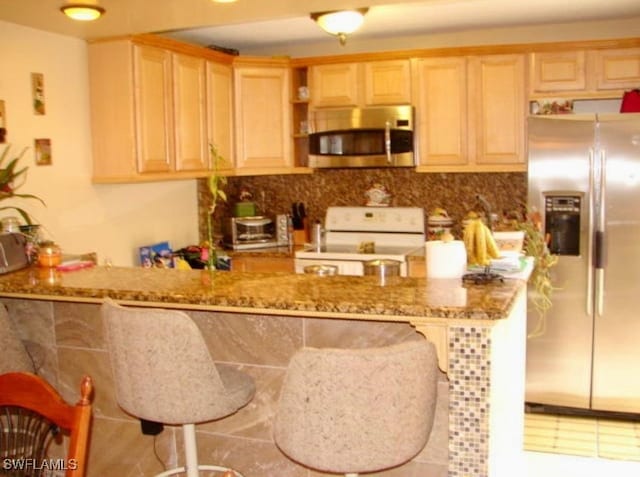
x: 258, y: 320
x: 270, y: 293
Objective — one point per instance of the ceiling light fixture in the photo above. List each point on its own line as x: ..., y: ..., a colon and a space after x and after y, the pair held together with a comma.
x: 84, y: 12
x: 340, y: 23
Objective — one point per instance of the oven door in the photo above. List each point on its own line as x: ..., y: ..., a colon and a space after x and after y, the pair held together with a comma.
x: 362, y: 148
x: 362, y: 137
x: 248, y: 232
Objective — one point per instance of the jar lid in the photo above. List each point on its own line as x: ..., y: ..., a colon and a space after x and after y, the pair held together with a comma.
x: 49, y: 248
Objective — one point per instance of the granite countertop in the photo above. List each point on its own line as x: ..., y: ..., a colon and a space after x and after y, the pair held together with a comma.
x: 269, y: 293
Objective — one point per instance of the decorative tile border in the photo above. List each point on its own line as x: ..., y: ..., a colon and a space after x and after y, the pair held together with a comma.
x: 469, y: 386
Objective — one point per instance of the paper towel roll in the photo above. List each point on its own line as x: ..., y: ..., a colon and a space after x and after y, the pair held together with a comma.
x: 445, y: 259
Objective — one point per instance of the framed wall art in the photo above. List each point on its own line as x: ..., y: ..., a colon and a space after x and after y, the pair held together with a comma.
x: 43, y: 152
x: 3, y: 122
x: 37, y: 88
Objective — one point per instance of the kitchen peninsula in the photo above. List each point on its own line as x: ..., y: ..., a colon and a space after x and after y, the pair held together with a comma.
x: 257, y: 321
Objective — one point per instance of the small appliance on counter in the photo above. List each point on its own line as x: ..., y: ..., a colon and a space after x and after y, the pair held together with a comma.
x: 244, y: 233
x: 13, y: 252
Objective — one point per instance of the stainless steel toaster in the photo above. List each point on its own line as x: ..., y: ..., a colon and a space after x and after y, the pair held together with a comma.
x: 13, y: 252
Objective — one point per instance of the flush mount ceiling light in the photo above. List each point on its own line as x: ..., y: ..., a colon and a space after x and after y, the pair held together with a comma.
x: 224, y: 1
x: 340, y: 23
x: 84, y: 12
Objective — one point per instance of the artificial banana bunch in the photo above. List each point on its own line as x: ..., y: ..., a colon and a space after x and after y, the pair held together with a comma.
x: 479, y: 243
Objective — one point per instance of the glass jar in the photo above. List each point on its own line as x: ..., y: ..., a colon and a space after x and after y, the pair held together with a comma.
x: 49, y: 254
x: 10, y: 225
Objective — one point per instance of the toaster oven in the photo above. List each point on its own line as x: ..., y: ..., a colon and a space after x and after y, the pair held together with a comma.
x: 13, y: 255
x: 242, y: 233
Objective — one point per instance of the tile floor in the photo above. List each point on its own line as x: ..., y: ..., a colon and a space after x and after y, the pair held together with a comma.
x: 564, y: 446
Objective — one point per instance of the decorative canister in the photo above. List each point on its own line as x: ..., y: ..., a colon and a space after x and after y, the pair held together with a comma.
x: 438, y: 225
x: 49, y: 254
x: 386, y: 271
x: 321, y: 270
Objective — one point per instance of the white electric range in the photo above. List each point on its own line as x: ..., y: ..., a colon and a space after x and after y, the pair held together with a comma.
x: 393, y: 232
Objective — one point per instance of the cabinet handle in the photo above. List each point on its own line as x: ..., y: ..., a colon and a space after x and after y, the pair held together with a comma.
x: 387, y: 140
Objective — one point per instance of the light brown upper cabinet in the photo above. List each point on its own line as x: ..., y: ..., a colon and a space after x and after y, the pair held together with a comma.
x: 262, y: 124
x: 149, y: 110
x: 558, y: 71
x: 443, y: 111
x: 190, y: 113
x: 617, y: 68
x: 334, y: 85
x: 598, y: 73
x: 220, y: 112
x: 471, y: 113
x: 360, y: 84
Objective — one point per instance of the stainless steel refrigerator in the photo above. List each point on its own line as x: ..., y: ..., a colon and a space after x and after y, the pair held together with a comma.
x: 584, y: 179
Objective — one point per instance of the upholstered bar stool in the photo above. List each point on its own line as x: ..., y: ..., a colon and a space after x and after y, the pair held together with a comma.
x: 163, y: 373
x: 357, y: 410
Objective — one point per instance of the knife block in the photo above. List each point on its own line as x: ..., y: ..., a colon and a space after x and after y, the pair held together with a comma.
x: 302, y: 236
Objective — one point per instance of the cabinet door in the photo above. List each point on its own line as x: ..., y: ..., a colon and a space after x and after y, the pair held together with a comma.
x: 617, y: 69
x: 190, y: 136
x: 152, y: 78
x: 262, y: 117
x: 558, y: 71
x: 442, y: 111
x: 334, y: 85
x: 261, y: 264
x: 387, y: 82
x: 497, y: 107
x: 220, y: 110
x: 112, y: 100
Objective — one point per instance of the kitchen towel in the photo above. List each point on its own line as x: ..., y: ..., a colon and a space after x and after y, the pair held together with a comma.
x: 445, y: 259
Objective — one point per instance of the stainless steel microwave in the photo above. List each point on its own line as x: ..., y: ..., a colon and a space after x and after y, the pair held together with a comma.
x: 362, y: 137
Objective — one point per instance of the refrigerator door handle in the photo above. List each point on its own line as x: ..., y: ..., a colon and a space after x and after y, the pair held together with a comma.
x: 600, y: 236
x: 590, y: 235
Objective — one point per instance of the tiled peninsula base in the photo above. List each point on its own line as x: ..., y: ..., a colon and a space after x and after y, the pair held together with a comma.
x: 477, y: 431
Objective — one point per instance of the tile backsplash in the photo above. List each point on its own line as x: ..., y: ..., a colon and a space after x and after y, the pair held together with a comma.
x: 456, y: 192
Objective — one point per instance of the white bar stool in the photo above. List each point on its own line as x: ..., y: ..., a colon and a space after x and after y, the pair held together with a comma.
x: 357, y: 410
x: 163, y: 373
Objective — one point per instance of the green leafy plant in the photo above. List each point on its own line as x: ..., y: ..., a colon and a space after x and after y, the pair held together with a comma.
x: 216, y: 184
x: 535, y: 245
x: 12, y: 177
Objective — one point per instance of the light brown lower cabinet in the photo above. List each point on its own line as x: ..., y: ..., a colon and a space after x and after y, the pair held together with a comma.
x: 261, y: 264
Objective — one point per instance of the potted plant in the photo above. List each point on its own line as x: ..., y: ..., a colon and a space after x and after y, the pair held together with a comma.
x: 216, y: 183
x: 535, y: 245
x: 12, y: 177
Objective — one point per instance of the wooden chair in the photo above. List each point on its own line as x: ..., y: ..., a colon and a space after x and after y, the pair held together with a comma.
x: 32, y: 413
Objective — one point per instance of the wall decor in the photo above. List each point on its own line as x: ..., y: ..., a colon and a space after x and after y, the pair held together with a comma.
x: 3, y: 122
x: 43, y: 152
x: 37, y: 88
